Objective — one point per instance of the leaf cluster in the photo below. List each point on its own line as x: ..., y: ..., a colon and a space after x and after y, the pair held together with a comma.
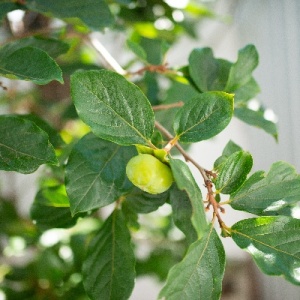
x: 101, y: 117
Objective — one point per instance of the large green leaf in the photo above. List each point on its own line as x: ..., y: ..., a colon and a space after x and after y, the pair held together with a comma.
x: 95, y: 173
x: 208, y: 73
x: 23, y: 145
x: 241, y: 71
x: 261, y: 191
x: 28, y: 63
x: 199, y: 275
x: 182, y: 212
x: 274, y: 243
x: 204, y: 116
x: 94, y: 13
x: 108, y: 269
x: 256, y: 118
x: 185, y: 181
x: 114, y: 108
x: 234, y: 172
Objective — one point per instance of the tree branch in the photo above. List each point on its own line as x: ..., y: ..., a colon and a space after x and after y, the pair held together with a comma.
x: 167, y: 106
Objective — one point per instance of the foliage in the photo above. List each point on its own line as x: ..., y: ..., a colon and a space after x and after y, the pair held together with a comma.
x: 84, y: 133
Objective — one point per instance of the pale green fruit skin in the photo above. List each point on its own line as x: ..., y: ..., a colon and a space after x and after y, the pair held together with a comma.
x: 149, y: 174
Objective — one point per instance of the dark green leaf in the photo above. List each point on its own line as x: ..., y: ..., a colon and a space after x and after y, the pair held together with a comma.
x: 54, y: 137
x: 95, y: 173
x: 185, y: 181
x: 256, y: 118
x: 145, y: 203
x: 114, y: 108
x: 182, y: 213
x: 241, y: 71
x: 234, y: 172
x: 28, y: 63
x: 262, y: 191
x: 203, y: 68
x: 208, y: 73
x: 94, y: 13
x: 23, y: 145
x: 137, y: 49
x: 274, y: 243
x: 108, y: 270
x: 204, y: 116
x: 199, y: 275
x: 50, y: 209
x: 229, y: 149
x: 53, y: 47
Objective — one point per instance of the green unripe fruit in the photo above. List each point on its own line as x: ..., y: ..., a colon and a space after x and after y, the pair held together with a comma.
x: 149, y: 174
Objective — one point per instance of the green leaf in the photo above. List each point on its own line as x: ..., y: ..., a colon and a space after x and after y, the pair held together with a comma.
x: 95, y: 173
x: 182, y: 213
x: 247, y: 91
x: 257, y: 119
x: 144, y: 203
x: 208, y: 73
x: 262, y: 191
x: 204, y: 116
x: 274, y: 243
x: 234, y: 172
x: 23, y: 145
x: 53, y: 47
x: 199, y: 275
x: 137, y: 50
x: 28, y: 63
x: 288, y: 206
x: 185, y: 181
x: 241, y: 71
x: 94, y: 13
x: 202, y: 68
x: 50, y: 209
x: 114, y: 108
x: 54, y: 137
x: 108, y: 269
x: 229, y: 149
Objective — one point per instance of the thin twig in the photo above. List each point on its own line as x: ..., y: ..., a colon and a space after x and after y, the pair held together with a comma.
x: 186, y: 156
x: 108, y: 60
x: 167, y: 106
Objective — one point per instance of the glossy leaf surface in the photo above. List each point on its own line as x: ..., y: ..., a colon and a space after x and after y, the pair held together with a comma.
x: 204, y: 116
x: 114, y: 108
x: 274, y: 243
x: 261, y: 191
x: 234, y: 172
